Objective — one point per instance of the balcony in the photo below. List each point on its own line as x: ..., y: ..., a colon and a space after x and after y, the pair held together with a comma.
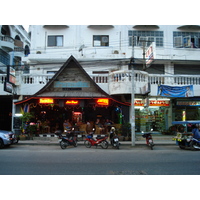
x: 120, y: 82
x: 116, y: 83
x: 18, y: 51
x: 6, y: 43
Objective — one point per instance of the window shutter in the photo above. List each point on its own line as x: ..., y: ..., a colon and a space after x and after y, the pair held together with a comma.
x: 178, y: 41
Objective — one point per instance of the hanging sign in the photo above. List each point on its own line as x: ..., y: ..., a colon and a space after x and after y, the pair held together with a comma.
x: 46, y: 100
x: 72, y: 102
x: 103, y: 102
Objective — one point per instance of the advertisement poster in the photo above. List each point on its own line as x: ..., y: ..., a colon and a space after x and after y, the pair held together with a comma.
x: 176, y: 91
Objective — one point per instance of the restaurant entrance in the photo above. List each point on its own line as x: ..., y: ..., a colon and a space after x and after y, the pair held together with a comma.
x: 51, y: 117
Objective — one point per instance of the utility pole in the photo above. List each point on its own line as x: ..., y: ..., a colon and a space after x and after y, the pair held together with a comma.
x: 132, y: 115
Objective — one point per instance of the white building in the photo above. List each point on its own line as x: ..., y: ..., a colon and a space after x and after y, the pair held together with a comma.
x: 104, y: 51
x: 14, y: 44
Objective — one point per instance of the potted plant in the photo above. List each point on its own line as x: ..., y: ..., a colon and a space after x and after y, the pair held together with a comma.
x: 126, y: 131
x: 25, y: 128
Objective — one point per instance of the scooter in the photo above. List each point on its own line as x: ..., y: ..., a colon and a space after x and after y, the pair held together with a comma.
x: 69, y: 139
x: 149, y: 139
x: 114, y: 139
x: 99, y: 141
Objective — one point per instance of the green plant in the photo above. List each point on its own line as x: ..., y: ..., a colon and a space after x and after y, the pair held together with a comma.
x: 126, y: 130
x: 27, y: 117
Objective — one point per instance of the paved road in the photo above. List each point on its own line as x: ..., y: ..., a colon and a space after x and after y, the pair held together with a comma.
x: 52, y: 160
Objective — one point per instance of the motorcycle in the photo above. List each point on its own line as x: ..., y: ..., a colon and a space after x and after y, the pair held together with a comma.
x: 99, y: 141
x: 114, y: 139
x: 69, y: 139
x: 185, y: 141
x: 149, y: 139
x: 194, y: 144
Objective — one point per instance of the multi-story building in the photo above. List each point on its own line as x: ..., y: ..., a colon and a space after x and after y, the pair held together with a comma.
x: 14, y: 44
x: 104, y: 52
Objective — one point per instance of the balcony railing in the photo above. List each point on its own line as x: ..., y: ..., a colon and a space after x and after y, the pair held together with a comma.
x: 118, y: 82
x: 7, y: 42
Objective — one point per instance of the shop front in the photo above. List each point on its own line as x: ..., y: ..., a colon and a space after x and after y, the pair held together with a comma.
x: 151, y: 114
x: 186, y: 110
x: 73, y: 96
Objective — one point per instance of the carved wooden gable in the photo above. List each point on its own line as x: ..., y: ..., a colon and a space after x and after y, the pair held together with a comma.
x: 71, y: 81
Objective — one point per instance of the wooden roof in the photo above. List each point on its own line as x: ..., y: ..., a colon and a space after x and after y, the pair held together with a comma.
x: 71, y: 81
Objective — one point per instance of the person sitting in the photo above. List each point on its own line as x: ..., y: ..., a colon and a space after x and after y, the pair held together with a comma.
x: 108, y: 125
x: 99, y: 127
x: 195, y: 132
x: 67, y: 125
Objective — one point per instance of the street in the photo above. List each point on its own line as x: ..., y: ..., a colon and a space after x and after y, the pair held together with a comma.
x: 139, y: 160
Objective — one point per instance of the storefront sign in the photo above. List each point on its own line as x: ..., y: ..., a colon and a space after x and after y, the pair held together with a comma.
x: 8, y: 87
x: 72, y: 102
x: 159, y: 103
x: 103, y: 102
x: 139, y: 102
x: 188, y: 103
x: 45, y: 100
x: 68, y: 84
x: 152, y: 103
x: 170, y: 91
x: 150, y: 54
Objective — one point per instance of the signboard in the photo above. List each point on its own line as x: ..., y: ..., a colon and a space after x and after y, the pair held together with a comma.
x: 143, y: 102
x: 68, y: 84
x: 103, y: 102
x: 8, y: 87
x: 188, y: 103
x: 11, y: 75
x: 175, y: 91
x: 72, y: 102
x: 150, y: 54
x: 46, y: 100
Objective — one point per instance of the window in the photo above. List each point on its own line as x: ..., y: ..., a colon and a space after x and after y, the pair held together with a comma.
x: 55, y: 40
x: 100, y: 40
x: 186, y: 39
x: 145, y: 38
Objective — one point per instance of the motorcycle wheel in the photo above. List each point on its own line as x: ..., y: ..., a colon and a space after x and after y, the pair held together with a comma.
x: 63, y: 145
x: 87, y: 144
x: 75, y: 143
x: 104, y: 144
x: 192, y: 146
x: 117, y: 145
x: 151, y: 145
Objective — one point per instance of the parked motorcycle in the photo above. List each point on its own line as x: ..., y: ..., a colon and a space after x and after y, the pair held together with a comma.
x: 114, y: 139
x: 149, y: 139
x: 99, y: 141
x: 69, y: 139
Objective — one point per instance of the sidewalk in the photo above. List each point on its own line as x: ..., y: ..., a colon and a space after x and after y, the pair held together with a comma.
x: 158, y: 140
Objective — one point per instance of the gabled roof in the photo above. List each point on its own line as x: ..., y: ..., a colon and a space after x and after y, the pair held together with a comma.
x: 71, y: 81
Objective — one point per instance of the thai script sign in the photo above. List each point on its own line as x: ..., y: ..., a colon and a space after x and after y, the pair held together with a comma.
x: 176, y: 91
x: 188, y: 103
x: 150, y: 54
x: 68, y: 84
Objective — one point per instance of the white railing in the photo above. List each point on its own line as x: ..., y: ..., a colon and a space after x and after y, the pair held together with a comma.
x: 35, y: 79
x: 115, y: 79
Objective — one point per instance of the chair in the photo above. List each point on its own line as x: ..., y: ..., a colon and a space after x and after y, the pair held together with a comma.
x: 83, y: 128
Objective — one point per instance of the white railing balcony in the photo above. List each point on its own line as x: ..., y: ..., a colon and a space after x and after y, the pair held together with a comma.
x: 6, y: 42
x: 118, y: 82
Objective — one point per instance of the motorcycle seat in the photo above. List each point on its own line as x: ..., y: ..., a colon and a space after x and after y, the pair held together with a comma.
x: 100, y: 137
